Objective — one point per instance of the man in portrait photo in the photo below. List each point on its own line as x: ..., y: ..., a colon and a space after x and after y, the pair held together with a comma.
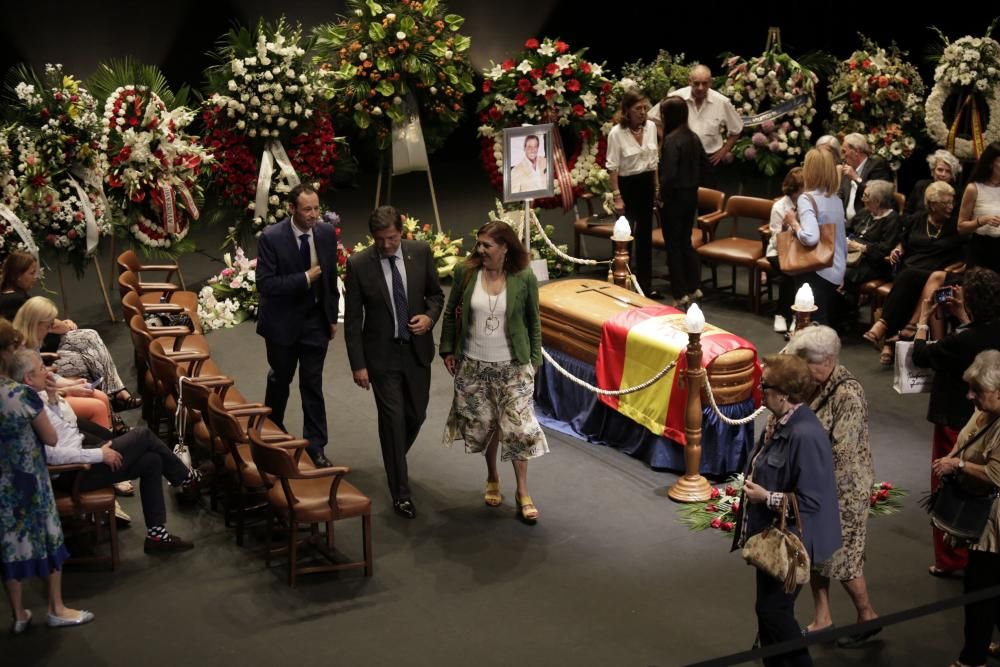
x: 532, y: 172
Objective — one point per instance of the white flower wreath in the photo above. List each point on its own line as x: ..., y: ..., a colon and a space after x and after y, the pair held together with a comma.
x: 971, y: 63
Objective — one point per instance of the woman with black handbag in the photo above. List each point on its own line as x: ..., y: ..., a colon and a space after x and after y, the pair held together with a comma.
x: 792, y: 457
x: 975, y: 459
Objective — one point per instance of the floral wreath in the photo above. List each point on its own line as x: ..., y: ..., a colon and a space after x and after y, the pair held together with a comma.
x: 381, y: 53
x: 264, y: 122
x: 970, y: 67
x: 764, y: 83
x: 10, y: 240
x: 656, y: 80
x: 878, y: 94
x: 546, y: 83
x: 445, y: 249
x: 153, y: 166
x: 231, y: 296
x: 57, y: 166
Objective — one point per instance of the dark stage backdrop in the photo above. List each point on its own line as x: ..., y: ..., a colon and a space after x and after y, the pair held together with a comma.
x: 176, y: 36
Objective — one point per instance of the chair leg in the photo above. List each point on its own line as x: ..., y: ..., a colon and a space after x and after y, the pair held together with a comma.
x: 329, y: 536
x: 293, y: 542
x: 271, y: 518
x: 755, y: 289
x: 240, y: 513
x: 732, y: 280
x: 366, y: 533
x: 114, y: 539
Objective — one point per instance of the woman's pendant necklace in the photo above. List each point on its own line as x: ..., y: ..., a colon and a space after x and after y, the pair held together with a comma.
x: 492, y: 323
x: 938, y: 229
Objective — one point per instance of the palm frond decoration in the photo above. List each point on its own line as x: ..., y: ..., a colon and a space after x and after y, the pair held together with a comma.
x: 127, y: 71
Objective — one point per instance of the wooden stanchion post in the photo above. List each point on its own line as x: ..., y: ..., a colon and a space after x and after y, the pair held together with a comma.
x: 692, y: 487
x: 104, y: 289
x: 621, y: 238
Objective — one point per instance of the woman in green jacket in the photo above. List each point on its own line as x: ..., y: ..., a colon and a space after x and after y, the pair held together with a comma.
x: 492, y: 343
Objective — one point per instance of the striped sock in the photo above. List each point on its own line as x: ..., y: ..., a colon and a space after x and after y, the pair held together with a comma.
x: 158, y: 533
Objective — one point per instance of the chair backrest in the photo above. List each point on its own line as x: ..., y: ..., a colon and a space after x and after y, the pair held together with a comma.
x: 271, y: 460
x: 141, y: 337
x: 128, y: 281
x: 132, y: 305
x: 227, y: 429
x: 129, y: 261
x: 753, y: 208
x: 710, y: 201
x: 165, y: 370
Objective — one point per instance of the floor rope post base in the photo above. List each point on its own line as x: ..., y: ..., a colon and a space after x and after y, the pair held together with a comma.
x: 692, y: 487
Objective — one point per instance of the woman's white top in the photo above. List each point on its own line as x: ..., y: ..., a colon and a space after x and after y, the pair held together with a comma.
x: 987, y: 203
x: 777, y: 223
x: 627, y: 156
x: 487, y: 339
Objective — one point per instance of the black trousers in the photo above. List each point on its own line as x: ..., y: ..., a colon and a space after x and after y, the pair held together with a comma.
x: 983, y: 571
x: 146, y: 458
x: 638, y: 192
x: 680, y: 207
x: 776, y: 621
x: 786, y: 288
x: 401, y: 386
x: 824, y: 294
x: 903, y: 299
x: 309, y: 355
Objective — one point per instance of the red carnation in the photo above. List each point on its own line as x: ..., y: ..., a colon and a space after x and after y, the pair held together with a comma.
x: 711, y: 507
x: 531, y: 44
x: 495, y: 113
x: 866, y: 64
x: 573, y: 86
x: 551, y: 69
x: 561, y: 46
x: 568, y: 71
x: 521, y: 99
x: 736, y: 507
x: 524, y: 85
x: 507, y: 65
x: 487, y: 85
x: 730, y: 490
x: 883, y: 494
x: 727, y: 526
x: 873, y: 500
x: 585, y: 67
x: 886, y: 485
x: 579, y: 110
x: 716, y: 523
x: 535, y: 74
x: 715, y: 493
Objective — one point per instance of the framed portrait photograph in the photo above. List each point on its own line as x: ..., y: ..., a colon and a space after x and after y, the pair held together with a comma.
x: 527, y: 162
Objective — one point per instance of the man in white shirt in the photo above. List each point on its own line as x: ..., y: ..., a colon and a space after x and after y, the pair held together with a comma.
x: 708, y: 112
x: 138, y: 454
x: 531, y: 173
x: 858, y: 168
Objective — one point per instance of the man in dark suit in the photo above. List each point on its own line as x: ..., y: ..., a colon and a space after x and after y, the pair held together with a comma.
x: 857, y: 169
x: 299, y: 304
x: 393, y: 301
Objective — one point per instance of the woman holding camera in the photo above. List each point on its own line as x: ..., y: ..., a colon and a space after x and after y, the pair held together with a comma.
x: 977, y: 306
x: 978, y: 468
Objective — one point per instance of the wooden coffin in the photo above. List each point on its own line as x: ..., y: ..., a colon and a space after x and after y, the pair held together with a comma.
x: 573, y: 314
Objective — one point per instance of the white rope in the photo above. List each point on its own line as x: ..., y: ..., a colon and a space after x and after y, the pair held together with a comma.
x: 560, y: 253
x: 607, y: 392
x: 726, y: 420
x: 635, y: 281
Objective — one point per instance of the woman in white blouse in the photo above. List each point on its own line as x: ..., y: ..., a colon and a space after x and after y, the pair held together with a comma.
x: 632, y: 160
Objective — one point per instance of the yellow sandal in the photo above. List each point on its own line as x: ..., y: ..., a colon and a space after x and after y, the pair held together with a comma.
x: 493, y: 497
x: 526, y: 510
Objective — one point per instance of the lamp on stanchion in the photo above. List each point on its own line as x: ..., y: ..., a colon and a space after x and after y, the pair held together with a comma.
x: 692, y: 487
x: 621, y: 237
x: 804, y: 307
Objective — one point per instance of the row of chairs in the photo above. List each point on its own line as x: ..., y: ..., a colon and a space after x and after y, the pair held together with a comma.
x: 257, y: 465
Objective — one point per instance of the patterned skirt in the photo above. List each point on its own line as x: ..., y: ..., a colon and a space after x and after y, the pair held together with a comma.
x: 495, y: 396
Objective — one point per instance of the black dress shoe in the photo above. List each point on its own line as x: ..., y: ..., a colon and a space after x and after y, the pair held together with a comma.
x: 654, y: 295
x: 405, y: 508
x: 854, y: 641
x: 320, y: 460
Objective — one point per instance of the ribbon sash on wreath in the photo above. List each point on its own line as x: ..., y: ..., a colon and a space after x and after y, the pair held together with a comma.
x: 93, y: 231
x: 978, y: 143
x: 409, y: 152
x: 273, y: 152
x: 20, y: 228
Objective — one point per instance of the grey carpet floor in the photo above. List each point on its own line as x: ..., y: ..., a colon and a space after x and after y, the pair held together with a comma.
x: 607, y: 577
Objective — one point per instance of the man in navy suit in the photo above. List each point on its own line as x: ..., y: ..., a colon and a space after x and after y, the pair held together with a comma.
x: 393, y: 300
x: 859, y: 167
x: 299, y: 303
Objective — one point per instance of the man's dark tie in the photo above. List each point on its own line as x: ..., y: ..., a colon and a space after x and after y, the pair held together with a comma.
x: 305, y: 252
x: 399, y: 299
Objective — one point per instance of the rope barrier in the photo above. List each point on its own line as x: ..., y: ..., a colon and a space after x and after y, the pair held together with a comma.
x: 726, y: 420
x: 560, y: 253
x: 607, y: 392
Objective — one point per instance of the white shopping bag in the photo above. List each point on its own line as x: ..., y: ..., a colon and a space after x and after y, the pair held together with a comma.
x: 907, y: 377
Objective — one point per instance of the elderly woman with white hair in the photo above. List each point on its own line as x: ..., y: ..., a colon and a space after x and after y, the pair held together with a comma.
x: 876, y: 232
x: 945, y: 168
x: 830, y: 142
x: 858, y: 169
x: 840, y: 404
x: 975, y: 459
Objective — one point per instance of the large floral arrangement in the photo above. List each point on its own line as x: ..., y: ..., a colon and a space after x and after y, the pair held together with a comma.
x: 761, y: 84
x: 662, y: 76
x: 719, y: 512
x: 58, y: 162
x: 967, y: 74
x: 557, y: 265
x: 10, y: 240
x: 547, y: 83
x: 381, y: 53
x: 877, y: 93
x: 154, y: 165
x: 231, y: 296
x: 262, y: 106
x: 444, y: 248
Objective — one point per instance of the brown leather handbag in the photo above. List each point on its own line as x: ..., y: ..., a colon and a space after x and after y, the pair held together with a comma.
x: 796, y: 258
x: 778, y: 551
